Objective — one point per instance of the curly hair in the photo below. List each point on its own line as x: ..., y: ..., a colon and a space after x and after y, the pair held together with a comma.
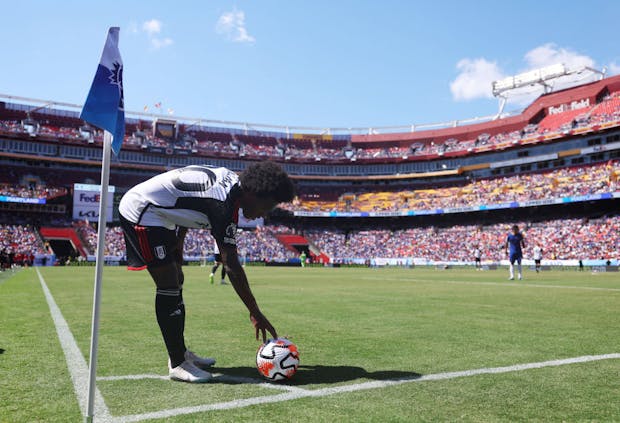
x: 268, y: 179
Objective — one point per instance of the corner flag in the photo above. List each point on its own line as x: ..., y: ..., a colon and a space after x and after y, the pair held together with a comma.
x: 105, y: 107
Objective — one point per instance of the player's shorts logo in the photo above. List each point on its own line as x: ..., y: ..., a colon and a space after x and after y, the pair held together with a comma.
x: 160, y: 252
x: 231, y: 230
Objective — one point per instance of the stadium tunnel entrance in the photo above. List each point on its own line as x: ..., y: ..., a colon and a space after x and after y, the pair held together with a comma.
x: 64, y: 249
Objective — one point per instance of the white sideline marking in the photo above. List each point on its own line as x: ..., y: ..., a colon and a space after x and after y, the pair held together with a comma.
x: 217, y: 377
x: 520, y: 285
x: 288, y: 396
x: 75, y: 361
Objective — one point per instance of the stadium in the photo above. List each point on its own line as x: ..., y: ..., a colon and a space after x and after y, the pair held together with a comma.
x: 389, y: 220
x: 390, y: 198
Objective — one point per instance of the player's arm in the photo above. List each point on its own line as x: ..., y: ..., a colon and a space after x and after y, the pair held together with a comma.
x: 523, y: 242
x: 239, y: 281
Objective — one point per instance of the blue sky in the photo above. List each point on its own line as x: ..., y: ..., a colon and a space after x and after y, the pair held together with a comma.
x: 319, y: 63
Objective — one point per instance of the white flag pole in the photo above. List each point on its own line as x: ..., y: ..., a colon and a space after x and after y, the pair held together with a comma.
x: 101, y: 229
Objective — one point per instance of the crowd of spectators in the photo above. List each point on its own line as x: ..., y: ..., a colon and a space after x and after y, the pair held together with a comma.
x: 551, y: 125
x: 565, y: 239
x: 558, y: 183
x: 253, y: 245
x: 31, y: 191
x: 18, y: 245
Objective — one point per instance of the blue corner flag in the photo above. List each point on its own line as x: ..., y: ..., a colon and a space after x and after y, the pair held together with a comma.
x: 105, y: 107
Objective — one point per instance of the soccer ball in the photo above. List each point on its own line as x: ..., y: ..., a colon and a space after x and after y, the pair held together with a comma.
x: 277, y: 359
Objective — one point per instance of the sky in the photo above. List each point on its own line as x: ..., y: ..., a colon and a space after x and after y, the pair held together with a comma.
x: 326, y: 64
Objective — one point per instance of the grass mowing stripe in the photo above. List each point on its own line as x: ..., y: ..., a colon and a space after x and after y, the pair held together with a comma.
x: 360, y: 386
x: 75, y: 361
x: 5, y: 275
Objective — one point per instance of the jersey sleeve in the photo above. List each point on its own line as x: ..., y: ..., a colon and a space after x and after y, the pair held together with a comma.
x: 224, y: 220
x: 224, y: 228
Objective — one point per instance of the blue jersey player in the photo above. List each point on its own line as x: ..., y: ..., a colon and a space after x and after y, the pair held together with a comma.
x: 514, y: 247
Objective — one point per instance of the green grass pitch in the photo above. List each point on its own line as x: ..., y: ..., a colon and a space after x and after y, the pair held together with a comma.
x: 351, y: 326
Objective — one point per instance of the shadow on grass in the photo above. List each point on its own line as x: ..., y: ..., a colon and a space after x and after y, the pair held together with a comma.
x: 309, y: 375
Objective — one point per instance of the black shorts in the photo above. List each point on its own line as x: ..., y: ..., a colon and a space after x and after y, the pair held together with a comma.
x: 536, y: 261
x: 218, y: 257
x: 149, y: 246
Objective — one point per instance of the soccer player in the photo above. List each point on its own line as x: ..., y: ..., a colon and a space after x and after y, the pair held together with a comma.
x: 155, y: 216
x: 514, y: 247
x: 218, y: 260
x: 538, y: 252
x: 302, y: 259
x: 478, y: 257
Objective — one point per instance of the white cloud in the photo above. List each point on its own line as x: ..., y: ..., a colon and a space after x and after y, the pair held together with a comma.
x: 613, y: 68
x: 133, y: 27
x: 158, y: 43
x: 152, y: 27
x: 232, y: 25
x: 550, y: 54
x: 476, y: 75
x: 475, y: 78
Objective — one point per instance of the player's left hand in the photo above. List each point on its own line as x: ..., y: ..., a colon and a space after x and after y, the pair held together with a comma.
x: 262, y: 324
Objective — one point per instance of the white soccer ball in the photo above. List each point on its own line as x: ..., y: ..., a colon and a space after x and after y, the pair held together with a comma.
x: 277, y: 359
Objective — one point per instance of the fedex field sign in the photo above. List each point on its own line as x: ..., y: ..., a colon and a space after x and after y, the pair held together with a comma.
x: 86, y: 198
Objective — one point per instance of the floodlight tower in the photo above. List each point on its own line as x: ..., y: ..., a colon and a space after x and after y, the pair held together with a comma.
x: 546, y: 77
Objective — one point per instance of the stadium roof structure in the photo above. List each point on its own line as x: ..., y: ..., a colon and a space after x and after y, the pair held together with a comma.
x: 401, y: 135
x: 545, y: 77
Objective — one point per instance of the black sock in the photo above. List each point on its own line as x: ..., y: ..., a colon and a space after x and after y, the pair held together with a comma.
x: 214, y: 268
x: 170, y: 313
x: 182, y: 308
x: 223, y: 272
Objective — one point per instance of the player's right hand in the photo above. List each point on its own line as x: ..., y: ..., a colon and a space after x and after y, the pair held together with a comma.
x: 262, y: 324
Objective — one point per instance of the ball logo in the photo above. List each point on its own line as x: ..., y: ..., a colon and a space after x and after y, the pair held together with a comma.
x: 160, y: 252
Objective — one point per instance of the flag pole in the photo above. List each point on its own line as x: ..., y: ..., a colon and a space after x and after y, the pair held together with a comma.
x: 101, y: 229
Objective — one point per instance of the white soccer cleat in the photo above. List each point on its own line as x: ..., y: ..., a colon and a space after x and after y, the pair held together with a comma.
x: 512, y: 278
x: 520, y: 277
x: 200, y: 362
x: 188, y: 372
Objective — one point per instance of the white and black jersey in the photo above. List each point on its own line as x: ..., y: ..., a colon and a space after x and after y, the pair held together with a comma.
x: 191, y: 197
x: 538, y: 252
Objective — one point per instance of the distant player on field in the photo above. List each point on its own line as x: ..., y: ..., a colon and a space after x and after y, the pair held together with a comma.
x: 514, y: 247
x: 478, y: 258
x: 538, y: 252
x: 155, y: 216
x: 218, y: 260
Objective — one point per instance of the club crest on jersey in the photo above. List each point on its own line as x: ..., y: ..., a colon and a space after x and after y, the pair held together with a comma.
x: 160, y: 252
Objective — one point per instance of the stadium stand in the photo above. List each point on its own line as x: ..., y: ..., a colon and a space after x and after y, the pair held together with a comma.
x: 20, y: 239
x: 570, y: 181
x: 565, y: 146
x: 565, y: 239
